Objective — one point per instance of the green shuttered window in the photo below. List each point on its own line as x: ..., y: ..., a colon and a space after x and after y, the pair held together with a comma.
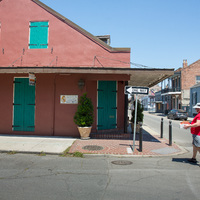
x: 39, y: 35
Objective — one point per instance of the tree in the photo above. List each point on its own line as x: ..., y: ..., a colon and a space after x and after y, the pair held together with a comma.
x: 84, y: 114
x: 140, y: 114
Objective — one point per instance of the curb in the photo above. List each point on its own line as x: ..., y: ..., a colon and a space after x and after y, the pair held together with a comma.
x: 28, y: 152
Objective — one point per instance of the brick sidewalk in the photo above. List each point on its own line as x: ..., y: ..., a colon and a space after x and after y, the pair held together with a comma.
x: 153, y: 145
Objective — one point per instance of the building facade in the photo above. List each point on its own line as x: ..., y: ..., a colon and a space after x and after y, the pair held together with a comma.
x: 149, y: 101
x: 190, y: 75
x: 194, y: 98
x: 176, y: 89
x: 46, y: 63
x: 158, y: 102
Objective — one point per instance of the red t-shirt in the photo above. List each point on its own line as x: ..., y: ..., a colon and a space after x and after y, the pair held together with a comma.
x: 195, y: 130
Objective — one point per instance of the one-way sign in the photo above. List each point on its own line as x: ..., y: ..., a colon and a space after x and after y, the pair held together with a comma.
x: 136, y: 90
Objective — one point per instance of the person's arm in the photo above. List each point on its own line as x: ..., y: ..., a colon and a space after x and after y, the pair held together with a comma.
x: 192, y: 125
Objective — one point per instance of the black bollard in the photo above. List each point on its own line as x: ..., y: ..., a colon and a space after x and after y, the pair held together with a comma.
x: 140, y: 138
x: 170, y: 133
x: 161, y: 128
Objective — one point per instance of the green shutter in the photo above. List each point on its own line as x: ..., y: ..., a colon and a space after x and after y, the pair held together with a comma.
x: 24, y: 105
x: 107, y: 106
x: 18, y: 105
x: 39, y: 35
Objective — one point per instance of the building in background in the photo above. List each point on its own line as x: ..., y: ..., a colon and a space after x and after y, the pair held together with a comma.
x: 175, y: 90
x: 158, y: 102
x: 148, y: 101
x: 194, y: 98
x: 190, y: 75
x: 171, y: 92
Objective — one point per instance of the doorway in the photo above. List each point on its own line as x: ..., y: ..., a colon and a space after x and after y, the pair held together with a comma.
x: 107, y: 105
x: 23, y: 105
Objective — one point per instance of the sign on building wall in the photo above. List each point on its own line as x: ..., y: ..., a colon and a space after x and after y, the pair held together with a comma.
x: 68, y: 99
x: 31, y: 79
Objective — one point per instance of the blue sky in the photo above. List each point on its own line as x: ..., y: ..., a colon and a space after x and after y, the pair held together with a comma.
x: 160, y: 33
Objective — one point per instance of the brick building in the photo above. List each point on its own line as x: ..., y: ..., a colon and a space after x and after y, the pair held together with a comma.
x: 176, y: 89
x: 190, y: 75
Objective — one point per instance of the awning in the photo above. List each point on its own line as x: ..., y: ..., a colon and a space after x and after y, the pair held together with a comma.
x: 147, y: 77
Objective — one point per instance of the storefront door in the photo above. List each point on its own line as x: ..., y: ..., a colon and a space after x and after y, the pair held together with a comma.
x: 24, y: 105
x: 107, y: 105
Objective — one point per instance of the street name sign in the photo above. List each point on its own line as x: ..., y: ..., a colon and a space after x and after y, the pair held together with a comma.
x: 136, y: 90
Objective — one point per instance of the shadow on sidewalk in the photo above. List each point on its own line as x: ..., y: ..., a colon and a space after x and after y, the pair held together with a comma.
x: 147, y: 137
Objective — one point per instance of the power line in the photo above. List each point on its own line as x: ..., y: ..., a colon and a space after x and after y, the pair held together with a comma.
x: 131, y: 63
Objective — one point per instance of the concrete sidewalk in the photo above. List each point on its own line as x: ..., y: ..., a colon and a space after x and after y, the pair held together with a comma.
x: 34, y: 144
x: 153, y: 145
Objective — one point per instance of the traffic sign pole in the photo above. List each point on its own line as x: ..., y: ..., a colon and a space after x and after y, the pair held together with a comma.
x: 130, y: 90
x: 134, y: 133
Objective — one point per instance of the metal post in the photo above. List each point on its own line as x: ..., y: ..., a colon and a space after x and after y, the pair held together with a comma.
x: 125, y: 110
x: 140, y: 138
x: 161, y: 128
x: 170, y: 133
x: 135, y: 123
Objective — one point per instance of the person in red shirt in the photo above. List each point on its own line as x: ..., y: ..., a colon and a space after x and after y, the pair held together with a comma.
x: 195, y: 131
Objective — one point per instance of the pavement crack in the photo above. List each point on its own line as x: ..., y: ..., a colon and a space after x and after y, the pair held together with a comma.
x: 51, y: 173
x: 108, y: 179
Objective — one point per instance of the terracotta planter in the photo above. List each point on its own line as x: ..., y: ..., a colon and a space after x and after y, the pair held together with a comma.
x: 85, y: 132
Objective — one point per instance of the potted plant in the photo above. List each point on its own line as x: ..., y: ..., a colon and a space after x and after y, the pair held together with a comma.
x: 83, y: 117
x: 140, y: 116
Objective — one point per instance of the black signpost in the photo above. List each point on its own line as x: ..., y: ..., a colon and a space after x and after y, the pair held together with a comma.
x: 135, y: 90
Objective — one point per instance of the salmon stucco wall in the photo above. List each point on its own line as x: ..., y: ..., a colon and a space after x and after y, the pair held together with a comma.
x: 67, y: 45
x: 6, y: 91
x: 51, y: 117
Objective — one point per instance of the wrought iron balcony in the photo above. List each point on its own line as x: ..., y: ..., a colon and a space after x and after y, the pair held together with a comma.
x: 167, y: 90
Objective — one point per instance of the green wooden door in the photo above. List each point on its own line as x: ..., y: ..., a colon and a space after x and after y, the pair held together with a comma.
x: 107, y: 105
x: 24, y: 105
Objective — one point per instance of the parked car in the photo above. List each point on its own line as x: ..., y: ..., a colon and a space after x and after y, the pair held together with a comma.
x: 177, y: 114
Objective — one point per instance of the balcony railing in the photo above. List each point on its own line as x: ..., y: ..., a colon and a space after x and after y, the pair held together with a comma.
x: 166, y: 90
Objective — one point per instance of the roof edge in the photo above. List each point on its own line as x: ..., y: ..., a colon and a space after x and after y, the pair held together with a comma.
x: 89, y: 68
x: 81, y: 30
x: 193, y: 63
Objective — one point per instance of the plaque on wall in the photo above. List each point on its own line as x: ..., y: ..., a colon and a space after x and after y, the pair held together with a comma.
x: 69, y: 99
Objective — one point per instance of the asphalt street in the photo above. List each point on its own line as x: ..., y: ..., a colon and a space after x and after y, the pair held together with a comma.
x: 29, y: 176
x: 180, y: 136
x: 98, y: 178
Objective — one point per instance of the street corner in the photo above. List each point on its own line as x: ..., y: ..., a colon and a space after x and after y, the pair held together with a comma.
x: 153, y: 146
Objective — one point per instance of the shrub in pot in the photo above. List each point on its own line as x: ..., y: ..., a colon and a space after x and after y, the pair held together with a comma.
x: 84, y: 117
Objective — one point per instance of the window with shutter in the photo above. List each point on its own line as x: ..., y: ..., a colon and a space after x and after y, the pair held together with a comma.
x: 38, y: 38
x: 197, y: 79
